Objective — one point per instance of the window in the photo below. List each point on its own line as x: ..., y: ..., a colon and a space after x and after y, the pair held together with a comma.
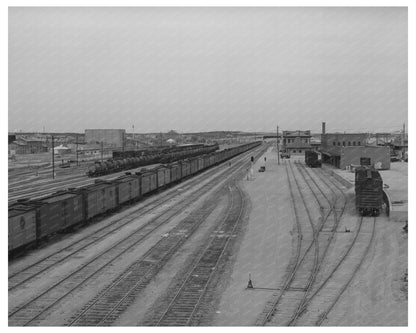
x: 333, y: 143
x: 359, y: 143
x: 353, y: 143
x: 300, y: 151
x: 349, y: 143
x: 294, y: 151
x: 343, y: 143
x: 365, y: 161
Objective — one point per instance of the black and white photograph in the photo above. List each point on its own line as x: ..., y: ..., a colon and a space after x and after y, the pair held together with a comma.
x: 214, y: 166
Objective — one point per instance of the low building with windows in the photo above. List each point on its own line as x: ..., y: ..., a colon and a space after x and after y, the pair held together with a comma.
x: 351, y: 149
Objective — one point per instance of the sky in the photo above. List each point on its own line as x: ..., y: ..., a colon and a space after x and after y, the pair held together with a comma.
x: 208, y: 69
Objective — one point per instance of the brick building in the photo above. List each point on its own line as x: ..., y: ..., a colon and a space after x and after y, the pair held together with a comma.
x: 296, y: 142
x: 345, y: 149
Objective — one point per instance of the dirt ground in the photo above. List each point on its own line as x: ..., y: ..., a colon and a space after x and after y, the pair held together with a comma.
x: 265, y: 248
x: 377, y: 296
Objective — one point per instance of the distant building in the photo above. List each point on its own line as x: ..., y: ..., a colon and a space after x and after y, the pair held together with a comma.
x: 109, y: 137
x: 345, y: 149
x: 297, y: 142
x: 28, y: 146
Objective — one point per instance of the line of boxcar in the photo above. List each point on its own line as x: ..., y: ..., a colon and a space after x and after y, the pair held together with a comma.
x: 368, y: 191
x: 134, y: 159
x: 30, y: 221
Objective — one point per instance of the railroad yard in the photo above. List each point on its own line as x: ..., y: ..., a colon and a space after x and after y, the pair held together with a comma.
x: 229, y: 246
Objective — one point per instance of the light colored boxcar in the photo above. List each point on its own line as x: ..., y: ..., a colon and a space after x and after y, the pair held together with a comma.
x: 200, y: 163
x: 128, y: 188
x: 160, y: 171
x: 99, y: 198
x: 148, y: 181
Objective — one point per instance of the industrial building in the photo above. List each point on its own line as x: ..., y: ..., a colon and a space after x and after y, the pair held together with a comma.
x: 109, y: 137
x: 27, y: 146
x: 351, y: 149
x: 297, y: 142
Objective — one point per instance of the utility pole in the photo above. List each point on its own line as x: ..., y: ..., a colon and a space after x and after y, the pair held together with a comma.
x: 102, y: 151
x: 134, y: 143
x: 277, y: 144
x: 403, y: 137
x: 53, y: 159
x: 77, y: 151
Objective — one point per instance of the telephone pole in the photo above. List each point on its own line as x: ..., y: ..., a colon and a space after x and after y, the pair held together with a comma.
x: 102, y: 151
x: 77, y: 151
x: 277, y: 144
x: 53, y: 159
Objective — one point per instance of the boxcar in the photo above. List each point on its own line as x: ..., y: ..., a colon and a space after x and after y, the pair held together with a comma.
x: 174, y: 172
x: 57, y: 212
x: 193, y: 165
x: 22, y: 226
x: 185, y: 168
x: 128, y: 188
x: 368, y: 191
x: 148, y: 181
x: 99, y: 198
x: 167, y: 175
x: 200, y: 163
x: 311, y: 159
x: 160, y: 171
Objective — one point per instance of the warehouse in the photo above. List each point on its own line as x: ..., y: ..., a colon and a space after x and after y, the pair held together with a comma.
x: 344, y: 150
x: 108, y: 137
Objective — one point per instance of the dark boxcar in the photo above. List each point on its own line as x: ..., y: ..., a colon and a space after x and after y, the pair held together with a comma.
x: 368, y: 191
x: 128, y: 188
x: 58, y: 212
x: 99, y: 198
x: 311, y: 159
x: 22, y: 226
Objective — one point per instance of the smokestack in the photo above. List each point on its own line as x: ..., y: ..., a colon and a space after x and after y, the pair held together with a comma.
x: 323, y: 127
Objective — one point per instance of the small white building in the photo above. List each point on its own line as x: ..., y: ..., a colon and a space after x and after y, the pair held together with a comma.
x: 61, y: 150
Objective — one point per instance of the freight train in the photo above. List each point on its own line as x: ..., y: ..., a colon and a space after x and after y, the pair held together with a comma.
x: 119, y: 155
x: 137, y: 159
x: 311, y: 159
x: 368, y: 191
x: 30, y: 221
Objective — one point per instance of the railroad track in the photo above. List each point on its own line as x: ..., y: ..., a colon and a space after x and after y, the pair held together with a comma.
x: 285, y: 312
x: 28, y: 273
x: 322, y: 300
x: 303, y: 268
x: 183, y: 307
x: 324, y: 242
x: 119, y: 294
x: 32, y: 312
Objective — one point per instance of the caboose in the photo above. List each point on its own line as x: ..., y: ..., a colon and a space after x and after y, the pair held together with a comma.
x: 368, y: 191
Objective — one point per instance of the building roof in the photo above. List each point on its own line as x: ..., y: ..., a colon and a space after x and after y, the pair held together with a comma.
x: 297, y: 133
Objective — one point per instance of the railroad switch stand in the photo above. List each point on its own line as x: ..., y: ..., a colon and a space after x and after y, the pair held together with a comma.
x: 250, y: 284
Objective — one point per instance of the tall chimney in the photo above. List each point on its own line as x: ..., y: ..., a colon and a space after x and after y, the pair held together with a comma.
x: 323, y: 127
